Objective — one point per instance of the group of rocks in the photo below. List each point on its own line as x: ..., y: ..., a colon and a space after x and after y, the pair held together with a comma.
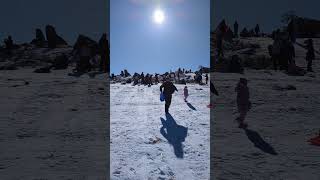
x: 51, y: 51
x: 52, y: 40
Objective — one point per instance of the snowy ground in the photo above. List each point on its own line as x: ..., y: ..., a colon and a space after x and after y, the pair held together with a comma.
x: 280, y: 123
x: 140, y: 151
x: 53, y: 126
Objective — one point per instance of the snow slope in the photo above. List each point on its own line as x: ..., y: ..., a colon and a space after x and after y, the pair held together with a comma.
x: 53, y: 126
x: 139, y: 150
x: 280, y: 123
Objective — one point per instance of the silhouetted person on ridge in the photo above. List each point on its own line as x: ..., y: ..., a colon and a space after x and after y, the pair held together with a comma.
x: 9, y: 45
x: 291, y: 52
x: 156, y: 79
x: 168, y: 90
x: 257, y: 30
x: 142, y: 78
x: 104, y: 52
x: 235, y: 29
x: 222, y: 29
x: 310, y: 56
x: 275, y: 51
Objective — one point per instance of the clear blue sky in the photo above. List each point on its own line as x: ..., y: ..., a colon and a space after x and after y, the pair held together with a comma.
x: 20, y: 18
x: 138, y: 44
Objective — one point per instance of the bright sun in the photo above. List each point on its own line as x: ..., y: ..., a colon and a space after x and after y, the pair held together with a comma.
x: 158, y: 16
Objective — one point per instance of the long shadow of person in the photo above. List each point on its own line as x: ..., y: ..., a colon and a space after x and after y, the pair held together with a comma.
x: 258, y: 142
x: 174, y: 133
x: 191, y: 107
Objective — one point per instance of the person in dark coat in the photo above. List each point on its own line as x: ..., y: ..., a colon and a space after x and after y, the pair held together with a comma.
x: 236, y: 29
x: 157, y: 79
x: 243, y: 101
x: 167, y: 88
x: 310, y: 56
x: 257, y: 30
x: 142, y: 78
x: 207, y: 78
x: 291, y: 52
x: 105, y: 53
x: 222, y: 29
x: 9, y: 45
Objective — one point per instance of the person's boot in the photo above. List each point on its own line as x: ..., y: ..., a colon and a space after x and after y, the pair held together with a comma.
x: 243, y: 125
x: 166, y: 109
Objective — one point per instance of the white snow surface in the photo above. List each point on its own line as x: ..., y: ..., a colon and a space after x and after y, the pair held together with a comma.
x: 139, y: 151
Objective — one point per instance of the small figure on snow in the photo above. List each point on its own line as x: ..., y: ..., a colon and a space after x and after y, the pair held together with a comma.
x: 185, y: 93
x: 310, y: 56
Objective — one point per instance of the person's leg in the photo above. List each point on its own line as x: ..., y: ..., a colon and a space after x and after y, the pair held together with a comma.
x: 310, y: 65
x: 242, y: 117
x: 101, y: 63
x: 168, y: 103
x: 88, y: 64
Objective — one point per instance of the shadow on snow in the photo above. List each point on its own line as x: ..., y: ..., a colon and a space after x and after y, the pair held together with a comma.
x: 174, y: 133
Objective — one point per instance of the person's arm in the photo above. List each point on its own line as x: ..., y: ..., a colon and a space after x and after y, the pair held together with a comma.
x: 161, y: 88
x: 175, y: 88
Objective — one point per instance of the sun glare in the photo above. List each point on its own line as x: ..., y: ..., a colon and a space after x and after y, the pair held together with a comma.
x: 158, y: 16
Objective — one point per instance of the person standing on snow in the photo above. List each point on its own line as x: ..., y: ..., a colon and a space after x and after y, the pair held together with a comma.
x: 168, y: 90
x: 207, y: 78
x: 243, y: 101
x: 235, y: 29
x: 185, y: 93
x: 310, y: 56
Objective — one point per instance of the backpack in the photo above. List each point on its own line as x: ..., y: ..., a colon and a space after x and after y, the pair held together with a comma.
x: 162, y: 97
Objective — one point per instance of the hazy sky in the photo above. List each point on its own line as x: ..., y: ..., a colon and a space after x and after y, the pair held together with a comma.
x: 265, y: 12
x: 139, y: 44
x: 20, y: 18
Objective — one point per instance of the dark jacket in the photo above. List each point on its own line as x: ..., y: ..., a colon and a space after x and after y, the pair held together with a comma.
x: 168, y: 87
x: 242, y: 94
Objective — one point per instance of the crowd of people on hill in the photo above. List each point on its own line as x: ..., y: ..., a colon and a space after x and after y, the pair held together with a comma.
x: 282, y: 51
x: 181, y: 76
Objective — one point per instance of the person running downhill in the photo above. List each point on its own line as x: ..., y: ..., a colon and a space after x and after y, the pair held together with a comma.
x: 168, y: 90
x: 243, y: 101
